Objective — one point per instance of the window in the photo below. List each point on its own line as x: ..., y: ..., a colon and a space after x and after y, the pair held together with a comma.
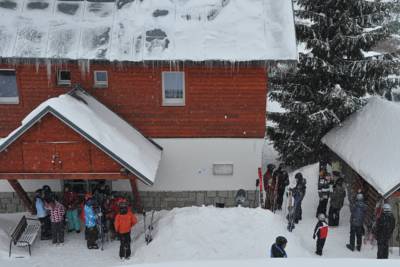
x: 64, y: 78
x: 100, y: 79
x: 8, y: 87
x: 173, y: 86
x: 223, y: 168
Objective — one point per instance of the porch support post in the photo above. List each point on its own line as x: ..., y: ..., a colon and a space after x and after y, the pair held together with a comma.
x: 138, y: 201
x: 21, y: 194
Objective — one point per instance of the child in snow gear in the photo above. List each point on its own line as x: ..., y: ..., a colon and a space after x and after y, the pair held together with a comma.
x: 278, y: 248
x: 384, y: 229
x: 282, y: 180
x: 124, y: 221
x: 321, y: 232
x: 43, y: 216
x: 91, y: 224
x: 71, y: 203
x: 358, y: 211
x: 57, y: 212
x: 336, y: 203
x: 324, y: 188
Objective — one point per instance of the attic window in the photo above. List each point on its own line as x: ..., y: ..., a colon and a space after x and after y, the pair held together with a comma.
x: 64, y: 78
x: 100, y: 79
x: 223, y: 169
x: 8, y: 87
x: 173, y: 88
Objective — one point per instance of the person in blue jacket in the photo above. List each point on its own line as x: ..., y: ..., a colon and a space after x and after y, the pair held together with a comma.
x: 90, y: 223
x: 278, y: 248
x: 43, y: 216
x: 358, y: 211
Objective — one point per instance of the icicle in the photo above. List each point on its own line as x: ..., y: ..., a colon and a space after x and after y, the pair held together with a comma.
x: 48, y: 69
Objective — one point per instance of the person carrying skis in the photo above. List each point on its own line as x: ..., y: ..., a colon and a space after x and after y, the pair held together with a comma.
x: 57, y: 212
x: 321, y: 233
x: 384, y: 229
x: 336, y: 203
x: 71, y: 203
x: 282, y: 180
x: 278, y: 248
x: 91, y: 224
x: 324, y: 189
x: 299, y: 192
x: 124, y: 221
x: 358, y: 211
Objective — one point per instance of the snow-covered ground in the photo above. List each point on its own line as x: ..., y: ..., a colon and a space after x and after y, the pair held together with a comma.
x: 200, y: 236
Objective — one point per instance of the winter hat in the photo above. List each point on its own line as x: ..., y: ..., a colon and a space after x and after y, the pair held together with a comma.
x: 321, y: 217
x: 281, y: 240
x: 360, y: 196
x: 387, y: 207
x: 298, y: 176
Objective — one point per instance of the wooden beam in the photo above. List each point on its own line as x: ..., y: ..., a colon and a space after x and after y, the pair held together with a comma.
x: 62, y: 176
x: 138, y: 201
x: 22, y: 194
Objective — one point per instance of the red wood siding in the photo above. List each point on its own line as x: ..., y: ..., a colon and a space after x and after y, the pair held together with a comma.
x: 220, y: 102
x: 52, y: 147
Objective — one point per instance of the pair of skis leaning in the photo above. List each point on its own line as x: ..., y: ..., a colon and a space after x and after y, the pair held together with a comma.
x: 148, y: 231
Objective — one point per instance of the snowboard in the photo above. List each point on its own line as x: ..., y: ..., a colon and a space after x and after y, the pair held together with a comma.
x: 290, y: 216
x: 148, y: 231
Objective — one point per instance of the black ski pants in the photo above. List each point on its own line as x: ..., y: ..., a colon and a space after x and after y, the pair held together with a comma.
x: 57, y: 232
x: 125, y: 246
x: 323, y: 203
x: 383, y: 249
x: 320, y: 245
x: 279, y: 198
x: 298, y: 212
x: 356, y: 232
x: 92, y: 236
x: 45, y: 228
x: 334, y: 216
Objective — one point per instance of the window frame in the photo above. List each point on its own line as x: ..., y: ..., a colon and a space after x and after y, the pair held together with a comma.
x: 100, y: 84
x: 4, y: 100
x: 173, y: 102
x: 219, y: 172
x: 63, y: 83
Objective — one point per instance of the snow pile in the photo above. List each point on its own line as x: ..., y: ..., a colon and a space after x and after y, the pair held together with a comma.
x: 201, y: 233
x: 368, y: 142
x: 128, y: 30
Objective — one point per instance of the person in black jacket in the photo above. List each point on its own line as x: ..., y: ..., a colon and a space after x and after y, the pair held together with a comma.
x: 384, y: 229
x: 278, y: 248
x: 358, y: 211
x: 282, y: 180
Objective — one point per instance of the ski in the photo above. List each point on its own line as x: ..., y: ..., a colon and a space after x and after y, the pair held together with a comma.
x: 148, y: 234
x: 291, y: 209
x: 260, y: 185
x: 275, y: 194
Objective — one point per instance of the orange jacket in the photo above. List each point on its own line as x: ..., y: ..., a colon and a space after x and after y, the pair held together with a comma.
x: 124, y: 222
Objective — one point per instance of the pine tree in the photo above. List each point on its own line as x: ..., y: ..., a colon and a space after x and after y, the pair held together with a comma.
x: 333, y: 78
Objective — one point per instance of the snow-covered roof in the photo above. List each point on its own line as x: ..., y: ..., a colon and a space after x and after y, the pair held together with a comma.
x: 368, y: 141
x: 102, y: 127
x: 136, y: 30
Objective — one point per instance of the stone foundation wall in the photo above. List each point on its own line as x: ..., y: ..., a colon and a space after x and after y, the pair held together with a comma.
x: 10, y: 202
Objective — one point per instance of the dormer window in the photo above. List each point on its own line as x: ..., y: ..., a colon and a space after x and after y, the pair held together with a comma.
x: 8, y: 87
x: 64, y: 78
x: 100, y: 79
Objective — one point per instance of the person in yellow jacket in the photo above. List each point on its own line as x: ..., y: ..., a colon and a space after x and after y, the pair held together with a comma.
x: 124, y: 221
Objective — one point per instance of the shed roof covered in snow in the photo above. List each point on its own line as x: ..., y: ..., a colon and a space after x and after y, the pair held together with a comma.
x: 100, y: 126
x: 368, y: 141
x: 136, y: 30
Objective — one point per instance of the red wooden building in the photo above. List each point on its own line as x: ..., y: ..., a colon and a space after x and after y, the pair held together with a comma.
x: 170, y: 102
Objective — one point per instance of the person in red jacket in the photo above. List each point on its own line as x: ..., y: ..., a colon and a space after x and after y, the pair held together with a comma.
x: 321, y: 232
x: 124, y: 221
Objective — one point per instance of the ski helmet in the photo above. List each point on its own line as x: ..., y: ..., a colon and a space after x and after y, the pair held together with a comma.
x: 321, y: 217
x: 387, y: 207
x: 360, y: 196
x: 298, y: 176
x: 281, y: 240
